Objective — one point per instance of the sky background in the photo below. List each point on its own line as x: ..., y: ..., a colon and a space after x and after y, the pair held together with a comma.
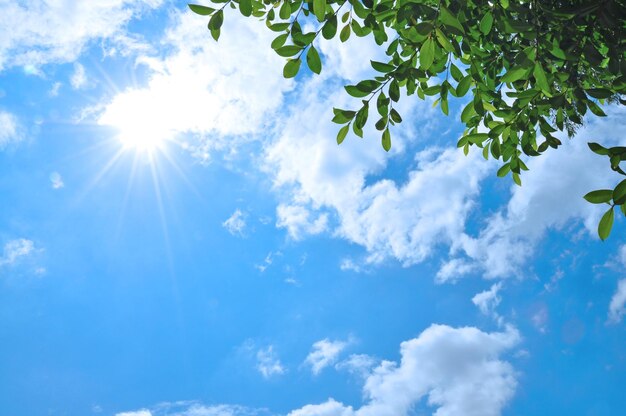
x: 247, y: 265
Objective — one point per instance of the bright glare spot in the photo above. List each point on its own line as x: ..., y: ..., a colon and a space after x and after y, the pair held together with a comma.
x: 142, y: 126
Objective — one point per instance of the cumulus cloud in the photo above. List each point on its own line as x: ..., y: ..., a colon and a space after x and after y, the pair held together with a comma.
x: 56, y: 180
x: 236, y: 223
x: 329, y: 188
x: 203, y: 88
x: 324, y: 353
x: 9, y: 129
x: 142, y: 412
x: 617, y: 308
x: 457, y: 370
x: 268, y: 363
x: 16, y: 249
x: 35, y: 32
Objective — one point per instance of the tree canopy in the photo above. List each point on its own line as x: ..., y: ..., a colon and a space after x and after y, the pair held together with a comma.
x: 532, y: 67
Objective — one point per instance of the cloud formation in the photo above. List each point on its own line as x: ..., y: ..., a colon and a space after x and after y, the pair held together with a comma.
x: 9, y: 129
x: 457, y: 370
x: 268, y: 362
x: 203, y: 89
x: 324, y: 353
x: 35, y: 32
x: 236, y: 223
x: 16, y: 249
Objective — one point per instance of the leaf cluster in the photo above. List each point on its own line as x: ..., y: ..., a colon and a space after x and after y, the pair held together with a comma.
x: 532, y: 68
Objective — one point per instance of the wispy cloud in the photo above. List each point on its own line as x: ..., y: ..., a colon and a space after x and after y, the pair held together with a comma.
x: 27, y: 42
x: 617, y: 307
x: 324, y: 353
x: 15, y: 250
x: 78, y: 79
x: 236, y: 223
x: 488, y: 300
x: 268, y: 363
x: 9, y: 129
x: 56, y: 180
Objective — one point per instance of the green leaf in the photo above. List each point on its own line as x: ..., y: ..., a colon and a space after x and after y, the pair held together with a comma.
x: 215, y: 34
x: 285, y: 10
x: 355, y: 92
x: 279, y: 41
x: 595, y: 109
x: 291, y: 68
x: 289, y: 50
x: 201, y: 10
x: 468, y: 112
x: 361, y: 117
x: 514, y: 74
x: 540, y: 78
x: 345, y: 33
x: 606, y: 223
x: 463, y: 86
x: 486, y: 23
x: 343, y: 132
x: 596, y: 148
x: 382, y: 67
x: 343, y: 116
x: 448, y: 19
x: 517, y: 179
x: 477, y: 138
x: 599, y: 93
x: 330, y: 27
x: 443, y: 41
x: 319, y: 9
x: 394, y: 91
x: 619, y: 193
x: 245, y: 7
x: 427, y: 54
x: 395, y: 116
x: 215, y: 23
x: 600, y: 196
x: 313, y: 60
x: 386, y: 140
x: 504, y: 170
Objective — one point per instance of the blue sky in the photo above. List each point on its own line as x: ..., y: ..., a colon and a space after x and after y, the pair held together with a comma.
x: 181, y: 235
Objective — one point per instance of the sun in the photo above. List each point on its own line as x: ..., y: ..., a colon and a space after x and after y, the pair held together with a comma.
x: 140, y: 124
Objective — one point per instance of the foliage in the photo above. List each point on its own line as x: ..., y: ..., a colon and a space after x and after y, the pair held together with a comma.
x: 532, y: 67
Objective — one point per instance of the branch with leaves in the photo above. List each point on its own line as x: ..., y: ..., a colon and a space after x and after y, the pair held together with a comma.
x: 532, y: 68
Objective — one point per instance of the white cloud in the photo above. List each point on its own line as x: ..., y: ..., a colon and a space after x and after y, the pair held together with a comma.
x: 9, y: 129
x: 54, y: 91
x: 325, y: 183
x: 142, y: 412
x: 359, y: 364
x: 458, y: 370
x: 36, y: 32
x: 488, y: 300
x: 268, y: 363
x: 298, y: 221
x: 325, y: 352
x: 617, y: 308
x: 236, y: 223
x: 207, y: 89
x: 78, y: 79
x: 14, y: 250
x: 56, y: 180
x: 193, y: 408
